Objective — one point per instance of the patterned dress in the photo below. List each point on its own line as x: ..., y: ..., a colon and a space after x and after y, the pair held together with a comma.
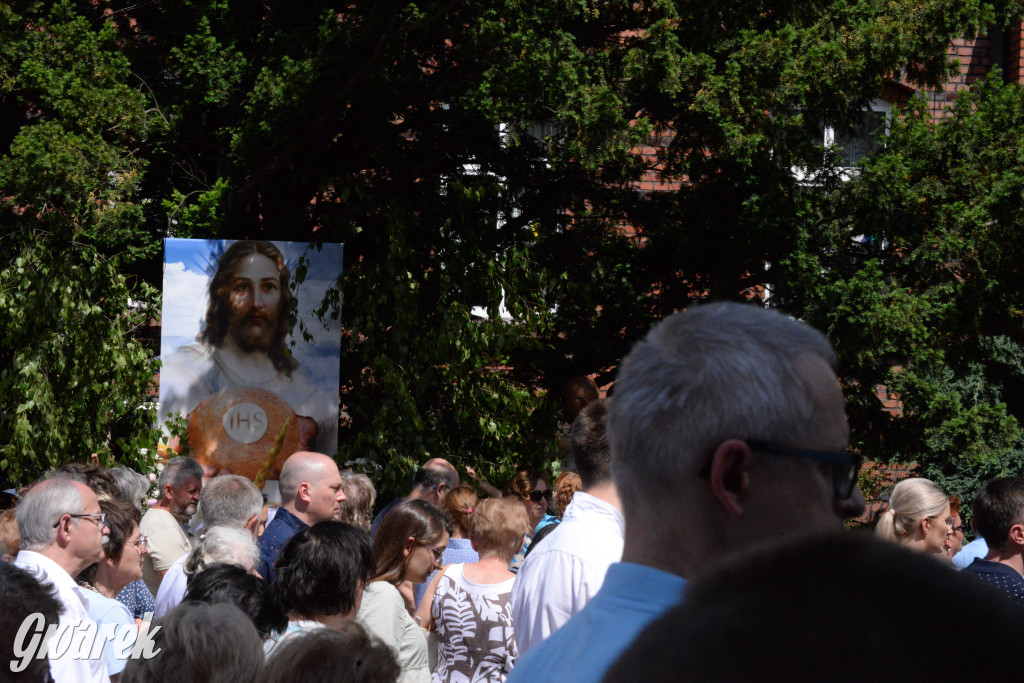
x: 474, y: 629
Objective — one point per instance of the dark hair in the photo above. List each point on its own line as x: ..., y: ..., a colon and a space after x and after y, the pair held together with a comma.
x: 233, y: 585
x: 589, y: 443
x: 429, y: 478
x: 416, y: 518
x: 348, y: 656
x: 810, y: 612
x: 200, y: 643
x: 96, y: 477
x: 321, y: 568
x: 218, y: 315
x: 997, y: 507
x: 122, y: 518
x: 22, y: 595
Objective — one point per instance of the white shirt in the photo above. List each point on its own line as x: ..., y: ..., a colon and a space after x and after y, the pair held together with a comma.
x: 72, y: 666
x: 172, y: 588
x: 566, y: 569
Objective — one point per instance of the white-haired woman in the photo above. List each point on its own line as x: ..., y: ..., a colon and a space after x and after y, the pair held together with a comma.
x: 224, y: 544
x: 918, y: 516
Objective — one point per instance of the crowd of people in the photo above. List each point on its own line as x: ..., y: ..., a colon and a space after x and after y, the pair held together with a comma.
x: 700, y: 535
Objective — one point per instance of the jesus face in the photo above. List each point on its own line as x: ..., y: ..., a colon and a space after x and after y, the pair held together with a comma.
x: 255, y: 299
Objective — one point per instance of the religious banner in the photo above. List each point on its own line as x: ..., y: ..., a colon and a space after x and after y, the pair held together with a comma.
x: 250, y: 357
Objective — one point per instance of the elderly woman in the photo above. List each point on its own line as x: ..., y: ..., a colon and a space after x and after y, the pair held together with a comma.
x: 918, y: 516
x: 409, y: 543
x: 319, y: 578
x: 224, y: 544
x: 468, y: 604
x: 122, y: 565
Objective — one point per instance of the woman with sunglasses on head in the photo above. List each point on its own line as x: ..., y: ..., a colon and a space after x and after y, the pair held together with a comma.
x: 918, y: 516
x: 409, y: 543
x: 121, y: 565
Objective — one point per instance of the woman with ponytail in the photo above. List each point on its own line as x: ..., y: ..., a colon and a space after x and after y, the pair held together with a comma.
x: 918, y: 516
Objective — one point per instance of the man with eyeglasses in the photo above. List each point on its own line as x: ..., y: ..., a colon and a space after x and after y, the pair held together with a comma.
x: 62, y: 532
x: 727, y: 430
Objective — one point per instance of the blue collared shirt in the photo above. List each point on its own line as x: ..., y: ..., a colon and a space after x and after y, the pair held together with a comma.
x: 631, y: 597
x: 281, y: 528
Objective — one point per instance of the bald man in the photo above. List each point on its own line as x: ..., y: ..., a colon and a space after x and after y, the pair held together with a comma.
x: 433, y: 480
x: 311, y: 492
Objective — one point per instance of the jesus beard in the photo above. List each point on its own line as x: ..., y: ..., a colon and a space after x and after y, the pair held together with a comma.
x: 253, y: 331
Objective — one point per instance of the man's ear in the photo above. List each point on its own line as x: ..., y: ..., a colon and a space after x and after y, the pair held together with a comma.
x: 302, y: 493
x: 253, y: 524
x: 1016, y: 535
x: 168, y: 491
x: 729, y: 477
x: 63, y: 530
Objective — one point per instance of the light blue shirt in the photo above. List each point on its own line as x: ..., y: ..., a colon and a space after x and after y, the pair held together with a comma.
x: 104, y: 610
x: 631, y: 597
x: 976, y: 548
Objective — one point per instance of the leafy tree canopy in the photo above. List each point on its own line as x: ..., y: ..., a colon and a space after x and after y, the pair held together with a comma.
x: 467, y: 153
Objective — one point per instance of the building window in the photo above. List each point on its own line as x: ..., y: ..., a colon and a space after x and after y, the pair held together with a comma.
x: 853, y: 144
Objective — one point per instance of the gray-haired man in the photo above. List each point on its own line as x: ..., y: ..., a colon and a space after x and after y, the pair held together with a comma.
x: 62, y: 531
x: 164, y: 524
x: 727, y: 429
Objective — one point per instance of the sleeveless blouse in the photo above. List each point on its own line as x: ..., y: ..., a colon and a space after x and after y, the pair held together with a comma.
x: 475, y: 640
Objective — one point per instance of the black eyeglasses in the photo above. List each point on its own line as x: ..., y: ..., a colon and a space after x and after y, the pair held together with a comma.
x: 537, y: 496
x: 962, y: 527
x: 845, y: 465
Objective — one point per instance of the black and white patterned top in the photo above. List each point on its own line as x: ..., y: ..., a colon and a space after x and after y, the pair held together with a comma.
x: 475, y: 640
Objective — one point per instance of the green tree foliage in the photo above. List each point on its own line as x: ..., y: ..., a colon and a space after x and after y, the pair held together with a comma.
x: 73, y: 372
x: 917, y: 279
x: 467, y: 153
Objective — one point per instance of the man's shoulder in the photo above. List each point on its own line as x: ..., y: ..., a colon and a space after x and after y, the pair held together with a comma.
x: 983, y: 567
x: 280, y: 529
x: 156, y: 518
x: 585, y: 647
x: 43, y: 568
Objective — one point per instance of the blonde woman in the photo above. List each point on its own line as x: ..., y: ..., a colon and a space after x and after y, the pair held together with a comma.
x: 469, y: 604
x: 918, y: 516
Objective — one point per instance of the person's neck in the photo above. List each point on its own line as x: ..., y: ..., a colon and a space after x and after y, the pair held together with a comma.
x: 69, y: 563
x: 246, y: 363
x: 607, y: 492
x: 166, y: 505
x: 301, y: 515
x: 106, y: 584
x: 1011, y: 557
